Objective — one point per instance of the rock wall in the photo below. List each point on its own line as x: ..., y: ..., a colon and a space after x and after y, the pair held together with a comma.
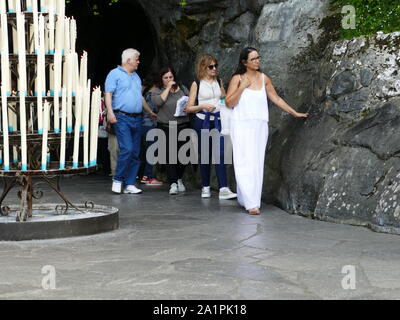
x: 341, y: 164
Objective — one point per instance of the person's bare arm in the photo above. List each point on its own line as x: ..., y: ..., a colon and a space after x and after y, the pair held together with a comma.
x: 110, y: 113
x: 235, y: 90
x: 278, y: 101
x: 148, y: 109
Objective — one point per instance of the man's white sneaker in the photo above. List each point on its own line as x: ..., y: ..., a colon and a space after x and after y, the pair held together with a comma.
x: 132, y: 189
x: 116, y: 186
x: 226, y: 193
x: 173, y: 189
x: 206, y: 192
x: 181, y: 186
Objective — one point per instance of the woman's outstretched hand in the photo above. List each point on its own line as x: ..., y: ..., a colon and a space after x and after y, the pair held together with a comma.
x: 301, y: 115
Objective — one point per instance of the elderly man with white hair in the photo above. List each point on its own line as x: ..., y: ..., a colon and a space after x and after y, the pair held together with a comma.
x: 124, y: 101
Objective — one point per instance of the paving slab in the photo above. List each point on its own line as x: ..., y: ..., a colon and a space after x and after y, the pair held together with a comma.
x: 186, y: 247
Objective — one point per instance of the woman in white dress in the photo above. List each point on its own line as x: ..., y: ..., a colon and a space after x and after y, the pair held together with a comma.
x: 247, y: 95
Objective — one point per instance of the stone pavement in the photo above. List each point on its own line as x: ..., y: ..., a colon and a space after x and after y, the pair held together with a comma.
x: 185, y: 247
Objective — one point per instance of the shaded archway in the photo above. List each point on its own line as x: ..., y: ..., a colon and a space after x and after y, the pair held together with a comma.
x: 105, y: 33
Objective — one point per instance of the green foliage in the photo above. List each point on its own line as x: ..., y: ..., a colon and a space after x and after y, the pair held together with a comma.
x: 95, y: 6
x: 371, y: 16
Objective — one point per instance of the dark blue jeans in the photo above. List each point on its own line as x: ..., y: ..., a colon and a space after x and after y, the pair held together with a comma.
x: 205, y: 169
x: 129, y: 132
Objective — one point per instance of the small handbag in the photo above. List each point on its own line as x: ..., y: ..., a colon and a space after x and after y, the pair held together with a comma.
x: 226, y: 115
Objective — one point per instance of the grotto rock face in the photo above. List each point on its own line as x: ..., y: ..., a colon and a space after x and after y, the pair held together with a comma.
x: 343, y: 162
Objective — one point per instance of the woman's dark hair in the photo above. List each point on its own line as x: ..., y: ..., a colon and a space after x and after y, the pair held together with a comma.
x: 244, y: 56
x: 150, y: 81
x: 162, y: 72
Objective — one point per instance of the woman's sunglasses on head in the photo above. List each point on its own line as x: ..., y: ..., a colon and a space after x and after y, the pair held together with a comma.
x: 213, y: 66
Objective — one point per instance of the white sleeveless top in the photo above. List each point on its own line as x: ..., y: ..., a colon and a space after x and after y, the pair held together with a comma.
x: 252, y: 105
x: 209, y: 93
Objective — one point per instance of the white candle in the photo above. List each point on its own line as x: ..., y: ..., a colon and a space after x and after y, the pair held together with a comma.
x: 11, y: 6
x: 78, y: 117
x: 75, y: 74
x: 57, y: 89
x: 4, y: 110
x: 35, y: 26
x: 51, y: 31
x: 85, y: 122
x: 45, y: 134
x: 67, y: 46
x: 83, y: 69
x: 69, y: 86
x: 60, y: 28
x: 73, y: 34
x: 63, y: 128
x: 3, y: 7
x: 96, y: 121
x: 29, y: 5
x: 23, y: 86
x: 18, y: 6
x: 43, y: 5
x: 41, y: 74
x: 94, y: 125
x: 5, y: 63
x: 51, y: 5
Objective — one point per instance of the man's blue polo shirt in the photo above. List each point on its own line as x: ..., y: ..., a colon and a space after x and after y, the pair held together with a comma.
x: 126, y: 89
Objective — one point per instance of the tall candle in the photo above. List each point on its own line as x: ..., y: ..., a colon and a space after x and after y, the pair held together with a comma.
x: 4, y: 111
x: 45, y: 134
x: 3, y: 7
x: 5, y: 70
x: 69, y: 86
x: 51, y: 31
x: 29, y: 5
x: 51, y: 4
x: 73, y: 34
x: 75, y: 74
x: 41, y: 74
x: 23, y: 86
x: 43, y: 5
x: 63, y: 128
x: 95, y: 111
x: 60, y: 28
x: 83, y: 69
x: 78, y: 118
x: 67, y: 46
x: 11, y: 6
x: 96, y: 128
x: 35, y: 26
x: 57, y: 89
x: 92, y: 125
x: 85, y: 124
x: 17, y: 6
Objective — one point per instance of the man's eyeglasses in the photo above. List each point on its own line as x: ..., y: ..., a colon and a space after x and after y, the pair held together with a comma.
x: 255, y: 59
x: 213, y: 66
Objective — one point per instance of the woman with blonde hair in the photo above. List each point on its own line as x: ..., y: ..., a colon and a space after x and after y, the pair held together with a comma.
x: 204, y: 97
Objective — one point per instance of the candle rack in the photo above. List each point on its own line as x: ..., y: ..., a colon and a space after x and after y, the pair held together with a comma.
x: 31, y: 143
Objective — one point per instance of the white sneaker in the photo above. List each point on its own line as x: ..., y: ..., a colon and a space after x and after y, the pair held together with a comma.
x: 116, y: 186
x: 181, y: 187
x: 206, y: 192
x: 226, y: 193
x: 132, y: 189
x: 173, y: 189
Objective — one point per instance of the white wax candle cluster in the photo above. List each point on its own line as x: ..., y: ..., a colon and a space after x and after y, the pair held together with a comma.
x: 73, y: 112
